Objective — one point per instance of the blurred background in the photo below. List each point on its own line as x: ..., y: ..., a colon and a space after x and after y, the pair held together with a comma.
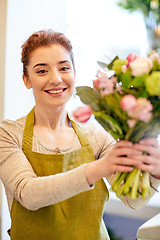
x: 99, y: 30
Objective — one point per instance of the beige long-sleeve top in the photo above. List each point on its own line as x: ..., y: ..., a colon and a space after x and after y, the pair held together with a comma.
x: 34, y: 192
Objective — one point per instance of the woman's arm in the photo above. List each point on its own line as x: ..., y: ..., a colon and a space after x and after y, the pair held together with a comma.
x: 31, y: 191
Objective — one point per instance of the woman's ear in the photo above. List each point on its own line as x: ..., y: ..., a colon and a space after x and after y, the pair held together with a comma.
x: 26, y: 81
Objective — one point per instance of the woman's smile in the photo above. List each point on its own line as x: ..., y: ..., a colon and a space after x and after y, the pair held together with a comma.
x: 56, y: 91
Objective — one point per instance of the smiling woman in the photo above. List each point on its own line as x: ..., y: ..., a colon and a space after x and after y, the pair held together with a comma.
x: 50, y: 73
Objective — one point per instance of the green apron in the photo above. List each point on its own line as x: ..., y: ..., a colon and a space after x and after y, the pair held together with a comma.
x: 77, y: 218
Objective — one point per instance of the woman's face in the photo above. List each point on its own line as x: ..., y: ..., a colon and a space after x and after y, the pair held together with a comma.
x: 50, y: 75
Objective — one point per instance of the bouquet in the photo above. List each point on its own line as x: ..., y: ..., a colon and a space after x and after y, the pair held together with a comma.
x: 125, y: 100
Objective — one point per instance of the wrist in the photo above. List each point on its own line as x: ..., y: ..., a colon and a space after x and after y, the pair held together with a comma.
x: 92, y: 173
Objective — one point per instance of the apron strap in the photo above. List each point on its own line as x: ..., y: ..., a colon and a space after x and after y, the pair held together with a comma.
x: 28, y: 131
x: 81, y: 135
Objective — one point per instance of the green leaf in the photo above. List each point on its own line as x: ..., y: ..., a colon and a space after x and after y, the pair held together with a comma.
x: 111, y: 63
x: 90, y: 97
x: 125, y: 78
x: 139, y: 81
x: 112, y: 102
x: 144, y: 93
x: 155, y: 100
x: 109, y: 123
x: 144, y: 130
x: 155, y: 66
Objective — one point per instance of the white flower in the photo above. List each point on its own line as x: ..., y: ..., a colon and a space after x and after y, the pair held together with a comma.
x: 141, y: 66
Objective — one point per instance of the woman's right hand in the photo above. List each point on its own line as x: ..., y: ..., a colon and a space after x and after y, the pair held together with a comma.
x: 121, y: 158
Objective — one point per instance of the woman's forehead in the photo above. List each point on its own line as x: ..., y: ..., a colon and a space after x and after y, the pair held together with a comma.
x: 52, y: 52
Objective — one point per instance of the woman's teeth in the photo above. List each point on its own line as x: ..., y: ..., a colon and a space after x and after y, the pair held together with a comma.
x: 55, y: 91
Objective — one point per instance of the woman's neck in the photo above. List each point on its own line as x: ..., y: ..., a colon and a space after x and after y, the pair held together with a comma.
x: 52, y: 118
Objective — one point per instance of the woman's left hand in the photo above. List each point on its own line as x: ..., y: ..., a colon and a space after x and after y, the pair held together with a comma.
x: 149, y: 162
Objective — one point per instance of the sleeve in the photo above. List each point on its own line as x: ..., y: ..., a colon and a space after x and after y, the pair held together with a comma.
x: 20, y: 180
x: 100, y: 140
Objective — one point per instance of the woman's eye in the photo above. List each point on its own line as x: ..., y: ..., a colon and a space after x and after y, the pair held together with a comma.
x: 41, y: 71
x: 65, y: 69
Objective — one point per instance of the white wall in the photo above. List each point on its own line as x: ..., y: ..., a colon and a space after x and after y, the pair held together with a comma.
x: 100, y: 29
x: 23, y: 18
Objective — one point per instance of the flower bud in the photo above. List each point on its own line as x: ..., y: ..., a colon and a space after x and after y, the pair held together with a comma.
x: 96, y: 83
x: 82, y: 114
x: 128, y: 102
x: 131, y: 57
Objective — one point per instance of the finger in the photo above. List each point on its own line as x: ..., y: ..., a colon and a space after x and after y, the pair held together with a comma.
x: 123, y: 168
x: 148, y: 163
x: 125, y: 161
x: 123, y: 143
x: 127, y: 151
x: 146, y: 160
x: 146, y: 168
x: 148, y: 149
x: 149, y: 168
x: 150, y: 141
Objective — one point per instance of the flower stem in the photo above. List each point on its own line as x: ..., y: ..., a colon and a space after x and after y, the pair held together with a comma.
x: 146, y: 188
x: 135, y: 187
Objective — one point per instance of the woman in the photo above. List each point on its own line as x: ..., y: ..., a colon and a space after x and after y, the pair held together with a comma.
x: 55, y: 189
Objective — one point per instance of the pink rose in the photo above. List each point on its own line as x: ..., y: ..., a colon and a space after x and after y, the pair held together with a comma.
x: 131, y: 57
x: 142, y: 111
x: 128, y: 102
x: 82, y: 114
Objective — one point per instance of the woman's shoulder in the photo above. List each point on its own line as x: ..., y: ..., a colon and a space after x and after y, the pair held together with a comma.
x: 94, y: 129
x: 12, y: 124
x: 12, y: 129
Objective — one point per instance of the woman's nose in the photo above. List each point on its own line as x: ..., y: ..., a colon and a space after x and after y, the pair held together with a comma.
x: 55, y: 78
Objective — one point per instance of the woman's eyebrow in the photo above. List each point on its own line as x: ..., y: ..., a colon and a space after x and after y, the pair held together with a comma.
x: 40, y: 64
x: 44, y: 64
x: 64, y: 61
